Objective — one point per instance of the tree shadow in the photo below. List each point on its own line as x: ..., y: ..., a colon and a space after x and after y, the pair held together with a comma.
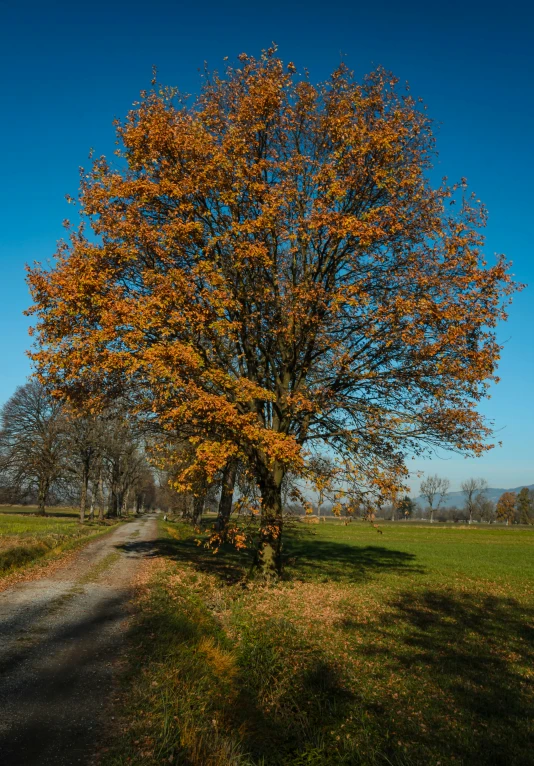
x: 48, y: 515
x: 309, y: 558
x: 291, y: 695
x: 305, y: 558
x: 54, y: 678
x: 468, y: 656
x: 228, y: 564
x: 442, y: 674
x: 257, y: 711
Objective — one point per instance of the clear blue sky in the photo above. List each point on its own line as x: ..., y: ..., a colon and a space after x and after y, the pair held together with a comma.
x: 68, y: 68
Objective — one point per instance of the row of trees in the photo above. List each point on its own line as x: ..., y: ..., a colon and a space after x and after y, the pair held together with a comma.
x: 268, y: 269
x: 49, y: 453
x: 516, y: 508
x: 510, y: 508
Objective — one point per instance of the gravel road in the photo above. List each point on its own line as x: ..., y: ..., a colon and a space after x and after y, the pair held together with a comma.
x: 59, y: 637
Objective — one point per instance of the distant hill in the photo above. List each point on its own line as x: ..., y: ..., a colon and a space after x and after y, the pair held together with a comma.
x: 458, y: 498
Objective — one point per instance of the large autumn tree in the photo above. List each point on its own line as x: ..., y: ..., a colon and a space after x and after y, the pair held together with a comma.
x: 267, y: 268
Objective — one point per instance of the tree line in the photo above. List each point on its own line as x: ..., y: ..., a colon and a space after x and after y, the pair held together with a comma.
x: 50, y: 454
x: 510, y: 508
x: 106, y: 464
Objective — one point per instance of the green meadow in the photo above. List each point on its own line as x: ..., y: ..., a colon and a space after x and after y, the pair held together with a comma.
x: 410, y: 646
x: 26, y: 539
x: 32, y: 510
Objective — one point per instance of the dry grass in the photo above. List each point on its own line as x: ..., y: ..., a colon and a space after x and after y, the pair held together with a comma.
x: 413, y: 648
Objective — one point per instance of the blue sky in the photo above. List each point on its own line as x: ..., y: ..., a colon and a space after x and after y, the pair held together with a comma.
x: 68, y: 68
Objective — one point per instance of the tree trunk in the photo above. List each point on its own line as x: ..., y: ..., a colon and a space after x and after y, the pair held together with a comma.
x: 94, y: 486
x: 124, y: 509
x: 227, y: 496
x: 113, y: 504
x: 268, y: 560
x: 83, y: 496
x: 198, y: 507
x: 100, y: 499
x: 42, y: 497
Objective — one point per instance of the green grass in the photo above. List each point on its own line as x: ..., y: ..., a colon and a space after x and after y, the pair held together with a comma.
x: 52, y: 511
x: 25, y: 540
x: 411, y: 647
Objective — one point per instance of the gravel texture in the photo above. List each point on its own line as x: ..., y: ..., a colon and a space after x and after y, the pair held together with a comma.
x: 59, y: 638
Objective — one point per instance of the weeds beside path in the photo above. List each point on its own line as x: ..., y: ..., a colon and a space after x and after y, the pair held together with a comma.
x: 410, y: 649
x: 28, y: 544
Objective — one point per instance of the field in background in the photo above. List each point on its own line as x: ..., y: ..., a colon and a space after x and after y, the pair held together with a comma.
x: 26, y: 539
x: 32, y: 509
x: 410, y: 647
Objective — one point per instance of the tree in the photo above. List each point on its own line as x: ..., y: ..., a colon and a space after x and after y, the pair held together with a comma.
x: 506, y: 507
x: 84, y: 446
x: 324, y: 476
x: 406, y: 507
x: 433, y: 490
x: 473, y: 489
x: 124, y: 461
x: 270, y: 268
x: 228, y: 480
x: 525, y: 506
x: 485, y: 508
x: 32, y: 441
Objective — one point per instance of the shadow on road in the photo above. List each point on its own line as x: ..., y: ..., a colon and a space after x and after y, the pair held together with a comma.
x: 54, y: 684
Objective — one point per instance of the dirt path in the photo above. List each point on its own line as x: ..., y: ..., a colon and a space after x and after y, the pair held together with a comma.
x: 58, y: 639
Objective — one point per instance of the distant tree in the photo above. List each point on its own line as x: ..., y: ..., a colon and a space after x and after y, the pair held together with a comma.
x: 33, y: 442
x: 391, y: 508
x: 434, y: 489
x: 457, y: 514
x: 525, y: 506
x: 143, y: 489
x: 177, y: 459
x: 406, y: 507
x: 168, y: 499
x: 506, y: 507
x: 485, y: 508
x: 85, y: 436
x: 473, y: 489
x: 323, y: 470
x: 124, y: 462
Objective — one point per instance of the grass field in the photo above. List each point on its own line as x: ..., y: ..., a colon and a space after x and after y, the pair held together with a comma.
x: 26, y: 510
x: 26, y: 539
x: 414, y: 646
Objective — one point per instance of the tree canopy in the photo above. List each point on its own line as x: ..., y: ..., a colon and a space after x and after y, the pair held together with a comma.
x: 266, y: 268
